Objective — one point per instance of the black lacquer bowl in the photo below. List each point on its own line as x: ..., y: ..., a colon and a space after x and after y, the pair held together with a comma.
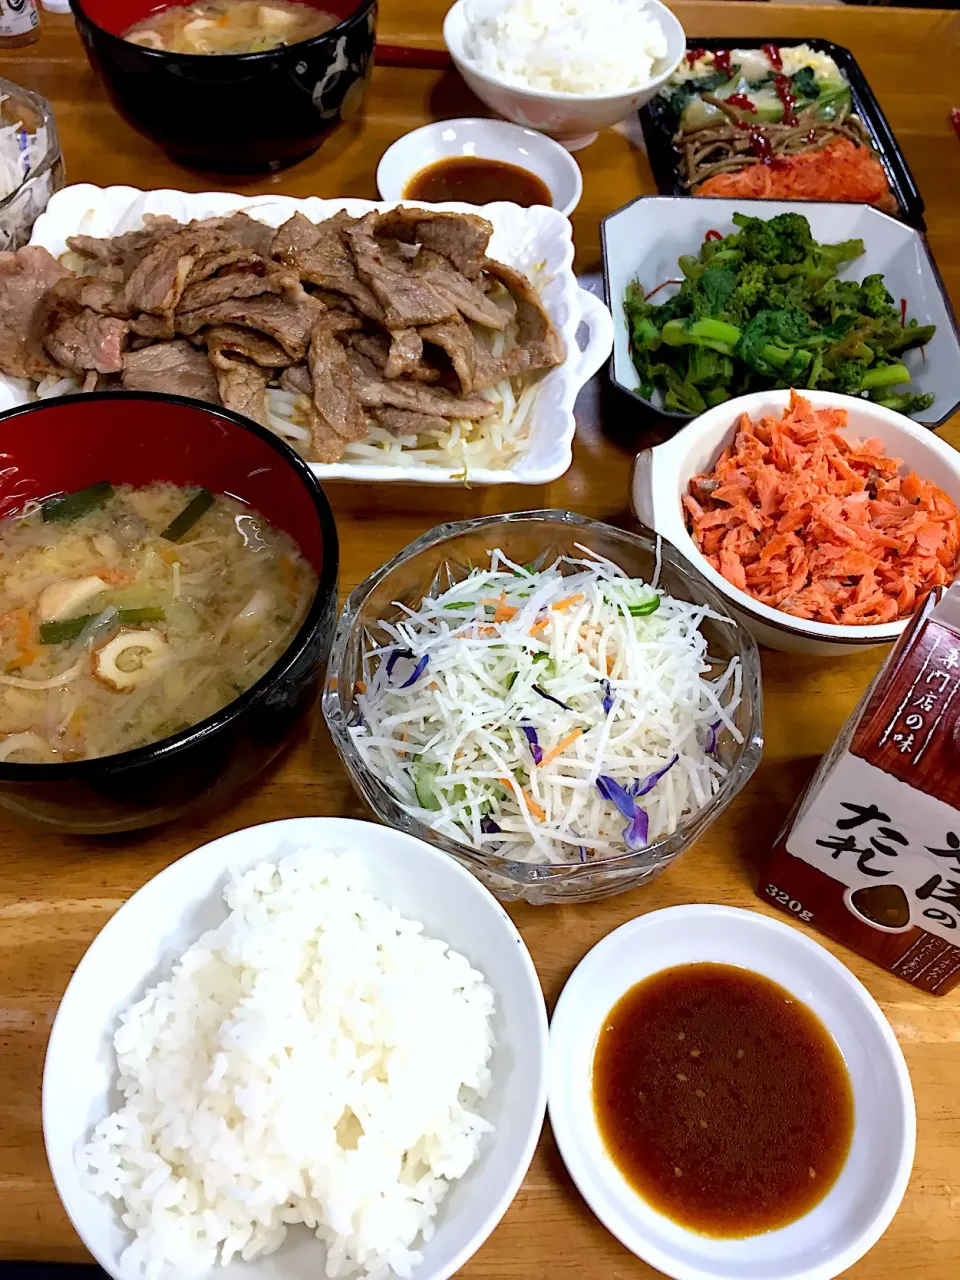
x: 61, y: 445
x: 232, y: 113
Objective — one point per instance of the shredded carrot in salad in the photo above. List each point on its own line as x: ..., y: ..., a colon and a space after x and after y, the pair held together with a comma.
x: 812, y: 521
x: 512, y: 733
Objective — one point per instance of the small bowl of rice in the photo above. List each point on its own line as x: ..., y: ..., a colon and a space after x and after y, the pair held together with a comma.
x: 565, y: 67
x: 315, y: 1047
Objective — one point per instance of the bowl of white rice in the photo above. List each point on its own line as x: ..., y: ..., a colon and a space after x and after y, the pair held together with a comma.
x: 565, y: 67
x: 311, y: 1048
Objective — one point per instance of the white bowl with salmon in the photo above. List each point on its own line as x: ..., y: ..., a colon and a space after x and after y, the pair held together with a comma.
x: 863, y: 504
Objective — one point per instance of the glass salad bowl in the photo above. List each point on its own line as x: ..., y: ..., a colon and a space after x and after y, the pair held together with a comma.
x: 442, y: 557
x: 28, y: 128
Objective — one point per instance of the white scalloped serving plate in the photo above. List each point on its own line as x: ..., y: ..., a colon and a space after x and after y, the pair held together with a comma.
x: 522, y: 238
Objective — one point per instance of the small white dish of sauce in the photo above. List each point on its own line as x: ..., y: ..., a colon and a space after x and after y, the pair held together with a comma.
x: 728, y: 1098
x: 476, y: 161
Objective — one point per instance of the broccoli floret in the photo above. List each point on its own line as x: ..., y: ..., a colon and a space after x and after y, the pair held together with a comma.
x: 753, y: 283
x: 793, y: 234
x: 782, y: 240
x: 844, y: 376
x: 712, y: 292
x: 773, y: 344
x: 875, y: 300
x: 837, y: 298
x: 756, y: 240
x: 905, y: 402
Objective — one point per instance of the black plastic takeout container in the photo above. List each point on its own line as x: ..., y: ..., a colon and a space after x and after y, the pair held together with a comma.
x: 664, y: 158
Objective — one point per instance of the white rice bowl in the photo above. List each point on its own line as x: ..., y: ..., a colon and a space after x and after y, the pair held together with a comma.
x: 316, y: 1007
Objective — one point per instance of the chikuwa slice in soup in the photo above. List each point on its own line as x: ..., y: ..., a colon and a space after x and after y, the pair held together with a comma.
x: 129, y: 614
x: 230, y: 26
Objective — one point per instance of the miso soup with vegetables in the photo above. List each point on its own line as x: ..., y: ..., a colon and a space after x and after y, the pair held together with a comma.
x: 230, y: 26
x: 129, y: 614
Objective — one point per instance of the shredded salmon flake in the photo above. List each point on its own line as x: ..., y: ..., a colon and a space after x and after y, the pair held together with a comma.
x: 821, y: 525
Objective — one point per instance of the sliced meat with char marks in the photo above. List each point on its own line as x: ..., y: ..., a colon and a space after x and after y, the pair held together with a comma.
x: 286, y: 319
x: 159, y: 278
x: 375, y: 391
x: 243, y: 387
x: 321, y: 256
x: 251, y: 233
x: 462, y: 238
x: 472, y: 362
x: 462, y: 293
x: 234, y: 340
x: 76, y: 337
x: 296, y: 380
x: 407, y: 299
x: 175, y: 367
x: 339, y: 416
x: 250, y: 281
x: 405, y: 358
x: 25, y: 278
x: 538, y: 344
x: 155, y: 328
x: 124, y: 250
x: 404, y: 422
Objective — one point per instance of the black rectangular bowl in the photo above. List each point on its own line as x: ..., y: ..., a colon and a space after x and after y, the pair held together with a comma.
x: 664, y: 158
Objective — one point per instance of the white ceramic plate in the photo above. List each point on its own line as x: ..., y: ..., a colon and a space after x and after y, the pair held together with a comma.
x: 489, y: 139
x: 522, y: 238
x: 643, y: 240
x: 854, y: 1213
x: 134, y: 950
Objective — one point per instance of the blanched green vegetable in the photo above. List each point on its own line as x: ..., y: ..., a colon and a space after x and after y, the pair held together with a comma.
x: 762, y: 308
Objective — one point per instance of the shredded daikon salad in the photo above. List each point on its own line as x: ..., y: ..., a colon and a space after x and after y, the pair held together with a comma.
x: 530, y: 711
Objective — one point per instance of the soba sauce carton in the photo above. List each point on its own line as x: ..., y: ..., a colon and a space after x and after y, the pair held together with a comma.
x: 871, y: 852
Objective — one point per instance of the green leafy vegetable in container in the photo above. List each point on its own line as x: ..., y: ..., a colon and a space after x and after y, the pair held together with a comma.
x: 762, y: 308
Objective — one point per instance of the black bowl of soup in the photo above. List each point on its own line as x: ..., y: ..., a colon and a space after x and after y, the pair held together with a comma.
x: 234, y: 86
x: 168, y: 590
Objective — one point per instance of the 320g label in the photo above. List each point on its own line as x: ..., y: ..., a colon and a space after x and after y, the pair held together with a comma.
x: 783, y: 899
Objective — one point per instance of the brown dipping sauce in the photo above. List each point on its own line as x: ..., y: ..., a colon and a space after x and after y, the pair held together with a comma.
x: 477, y: 181
x: 722, y: 1099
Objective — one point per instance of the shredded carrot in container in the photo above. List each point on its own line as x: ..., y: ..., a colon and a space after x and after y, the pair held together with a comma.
x: 538, y: 812
x: 504, y: 611
x: 539, y: 626
x: 840, y: 171
x: 562, y: 605
x: 559, y: 749
x: 821, y: 525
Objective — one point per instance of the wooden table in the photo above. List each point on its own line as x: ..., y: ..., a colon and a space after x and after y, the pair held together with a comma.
x: 56, y: 894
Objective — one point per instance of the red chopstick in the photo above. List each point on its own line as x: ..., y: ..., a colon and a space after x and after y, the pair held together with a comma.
x: 401, y: 55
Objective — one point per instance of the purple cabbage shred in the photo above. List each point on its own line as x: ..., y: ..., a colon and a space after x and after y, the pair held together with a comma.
x: 417, y: 672
x: 711, y: 743
x: 607, y: 698
x: 489, y: 827
x: 395, y: 656
x: 641, y: 788
x: 636, y: 832
x: 550, y: 698
x: 535, y: 749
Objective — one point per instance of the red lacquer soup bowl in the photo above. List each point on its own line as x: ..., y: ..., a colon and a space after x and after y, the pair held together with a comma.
x: 61, y: 445
x: 235, y: 112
